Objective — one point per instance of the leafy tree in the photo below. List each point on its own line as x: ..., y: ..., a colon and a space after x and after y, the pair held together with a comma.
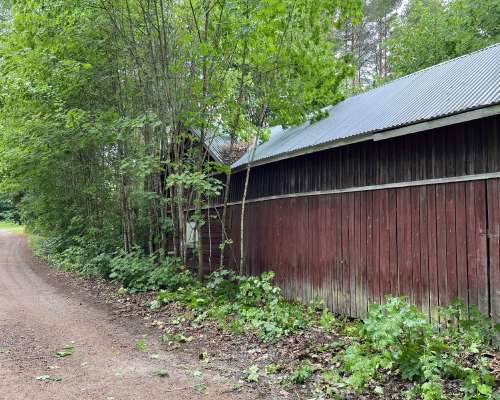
x: 55, y: 113
x: 362, y: 39
x: 432, y: 31
x: 106, y: 104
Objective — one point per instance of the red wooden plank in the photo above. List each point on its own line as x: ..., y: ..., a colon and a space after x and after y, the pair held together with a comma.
x: 312, y: 251
x: 254, y: 259
x: 362, y: 302
x: 472, y: 250
x: 320, y: 249
x: 236, y: 234
x: 400, y: 238
x: 384, y: 245
x: 345, y: 304
x: 283, y: 216
x: 481, y: 240
x: 302, y: 271
x: 493, y: 189
x: 326, y: 252
x: 404, y: 242
x: 375, y: 281
x: 369, y: 246
x: 461, y: 240
x: 295, y: 281
x: 330, y: 249
x: 451, y: 242
x: 352, y: 255
x: 415, y: 247
x: 264, y: 258
x: 250, y: 231
x: 432, y: 251
x: 393, y: 245
x: 356, y: 255
x: 327, y: 248
x: 337, y: 206
x: 441, y: 244
x: 288, y: 258
x: 424, y: 250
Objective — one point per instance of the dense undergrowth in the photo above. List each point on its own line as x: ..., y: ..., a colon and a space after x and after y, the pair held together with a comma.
x: 394, y: 338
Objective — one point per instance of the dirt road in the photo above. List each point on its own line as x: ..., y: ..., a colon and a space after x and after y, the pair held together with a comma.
x: 37, y: 319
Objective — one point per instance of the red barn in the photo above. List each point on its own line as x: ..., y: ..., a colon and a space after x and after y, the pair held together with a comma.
x: 396, y: 191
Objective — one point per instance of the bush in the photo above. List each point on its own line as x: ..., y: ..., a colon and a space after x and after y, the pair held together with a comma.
x: 396, y: 336
x: 140, y: 273
x: 170, y: 275
x: 241, y: 303
x: 83, y: 255
x: 132, y: 270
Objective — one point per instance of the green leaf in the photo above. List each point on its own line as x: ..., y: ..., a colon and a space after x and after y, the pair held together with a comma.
x: 161, y: 372
x: 252, y: 374
x: 48, y: 378
x: 65, y: 352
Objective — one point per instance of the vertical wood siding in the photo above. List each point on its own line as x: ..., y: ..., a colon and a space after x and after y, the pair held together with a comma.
x: 429, y: 243
x: 432, y: 243
x: 463, y: 149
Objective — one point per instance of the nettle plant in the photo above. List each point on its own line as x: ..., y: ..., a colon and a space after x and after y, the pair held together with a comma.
x: 396, y: 336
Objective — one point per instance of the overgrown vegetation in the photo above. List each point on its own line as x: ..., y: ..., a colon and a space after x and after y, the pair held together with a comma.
x: 239, y: 304
x: 395, y: 339
x: 104, y: 111
x: 107, y: 106
x: 11, y: 227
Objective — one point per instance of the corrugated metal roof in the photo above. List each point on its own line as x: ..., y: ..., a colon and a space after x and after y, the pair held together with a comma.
x: 465, y: 83
x: 217, y: 144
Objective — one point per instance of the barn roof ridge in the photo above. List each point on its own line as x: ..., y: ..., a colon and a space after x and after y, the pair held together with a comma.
x: 459, y: 85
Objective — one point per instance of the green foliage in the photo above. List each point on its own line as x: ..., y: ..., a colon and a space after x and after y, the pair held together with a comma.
x: 432, y: 31
x: 327, y: 320
x: 273, y: 368
x: 65, y: 352
x: 161, y: 372
x: 253, y: 374
x: 8, y: 210
x: 140, y: 273
x: 240, y: 304
x: 98, y: 110
x: 12, y: 227
x: 303, y: 372
x: 178, y: 338
x: 48, y: 378
x: 132, y: 270
x: 395, y: 336
x: 260, y: 305
x: 141, y: 345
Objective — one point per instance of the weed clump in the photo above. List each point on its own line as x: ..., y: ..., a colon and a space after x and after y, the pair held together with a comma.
x: 240, y: 304
x: 397, y: 338
x: 139, y: 273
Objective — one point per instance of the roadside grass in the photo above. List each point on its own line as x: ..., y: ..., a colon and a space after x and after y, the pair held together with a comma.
x: 11, y: 227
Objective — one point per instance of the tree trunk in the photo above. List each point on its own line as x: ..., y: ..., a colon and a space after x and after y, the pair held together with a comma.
x: 243, y: 260
x: 224, y: 217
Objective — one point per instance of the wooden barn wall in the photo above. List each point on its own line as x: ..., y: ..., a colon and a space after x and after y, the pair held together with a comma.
x: 463, y: 149
x: 431, y: 243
